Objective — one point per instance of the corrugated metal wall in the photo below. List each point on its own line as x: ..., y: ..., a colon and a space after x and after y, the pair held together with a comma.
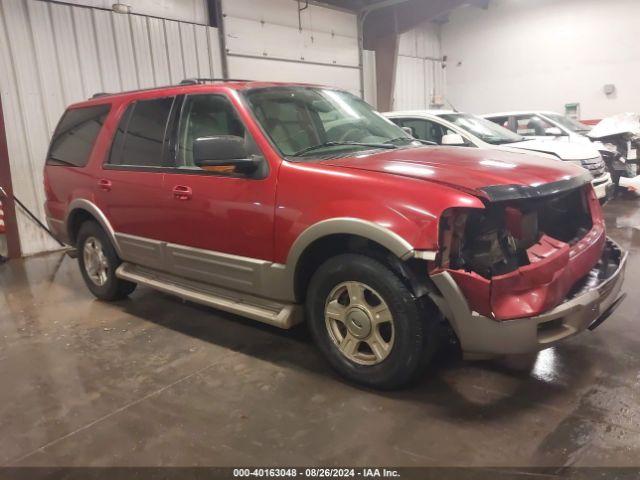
x: 265, y: 42
x: 194, y: 11
x: 52, y: 55
x: 418, y: 76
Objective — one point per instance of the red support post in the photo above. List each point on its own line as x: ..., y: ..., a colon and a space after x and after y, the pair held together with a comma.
x: 8, y: 205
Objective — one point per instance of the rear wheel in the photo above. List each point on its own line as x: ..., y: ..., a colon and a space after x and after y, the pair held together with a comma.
x: 98, y: 263
x: 367, y: 323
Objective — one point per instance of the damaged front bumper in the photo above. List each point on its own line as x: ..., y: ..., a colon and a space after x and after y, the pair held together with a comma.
x: 593, y: 298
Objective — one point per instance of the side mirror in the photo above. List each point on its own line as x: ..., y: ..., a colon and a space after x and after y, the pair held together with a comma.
x: 453, y: 139
x: 553, y: 132
x: 223, y: 151
x: 409, y: 130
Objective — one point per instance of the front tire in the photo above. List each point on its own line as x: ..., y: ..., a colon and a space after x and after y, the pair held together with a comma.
x: 98, y: 262
x: 367, y: 323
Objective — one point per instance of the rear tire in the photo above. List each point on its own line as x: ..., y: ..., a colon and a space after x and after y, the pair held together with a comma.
x: 367, y: 323
x: 98, y: 262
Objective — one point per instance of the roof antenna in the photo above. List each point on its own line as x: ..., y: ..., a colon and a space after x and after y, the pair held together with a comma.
x: 451, y: 105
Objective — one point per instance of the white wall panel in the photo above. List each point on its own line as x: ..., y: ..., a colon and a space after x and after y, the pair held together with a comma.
x: 419, y: 75
x: 159, y: 54
x: 194, y: 11
x: 321, y: 49
x: 142, y: 51
x: 88, y: 59
x: 52, y: 55
x: 67, y: 52
x: 541, y: 55
x: 282, y: 71
x: 370, y: 94
x: 285, y: 13
x: 188, y: 45
x: 410, y: 92
x: 124, y: 51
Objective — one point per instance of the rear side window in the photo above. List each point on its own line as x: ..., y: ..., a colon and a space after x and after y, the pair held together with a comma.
x: 140, y: 138
x: 75, y: 135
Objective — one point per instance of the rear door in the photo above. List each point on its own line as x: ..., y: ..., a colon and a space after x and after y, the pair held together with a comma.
x: 130, y: 187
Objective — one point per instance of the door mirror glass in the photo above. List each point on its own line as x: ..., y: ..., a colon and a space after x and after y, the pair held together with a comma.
x: 453, y: 139
x: 553, y: 132
x: 223, y: 151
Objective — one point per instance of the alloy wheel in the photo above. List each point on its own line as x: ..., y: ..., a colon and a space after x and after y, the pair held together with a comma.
x: 359, y: 323
x: 95, y: 262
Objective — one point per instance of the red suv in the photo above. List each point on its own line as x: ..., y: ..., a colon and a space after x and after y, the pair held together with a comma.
x: 281, y: 202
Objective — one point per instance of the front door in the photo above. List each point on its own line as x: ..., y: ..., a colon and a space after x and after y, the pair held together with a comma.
x: 219, y: 221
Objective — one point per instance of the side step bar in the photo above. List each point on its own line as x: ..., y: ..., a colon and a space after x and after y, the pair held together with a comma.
x: 282, y: 315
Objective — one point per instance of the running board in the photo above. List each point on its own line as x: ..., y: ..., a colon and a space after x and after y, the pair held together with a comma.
x: 282, y: 315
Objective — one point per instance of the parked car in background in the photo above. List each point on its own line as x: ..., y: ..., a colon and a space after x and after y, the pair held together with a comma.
x: 448, y: 127
x: 542, y: 124
x: 282, y: 202
x: 618, y: 137
x: 618, y: 151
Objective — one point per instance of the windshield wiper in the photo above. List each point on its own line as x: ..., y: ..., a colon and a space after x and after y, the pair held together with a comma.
x: 338, y: 144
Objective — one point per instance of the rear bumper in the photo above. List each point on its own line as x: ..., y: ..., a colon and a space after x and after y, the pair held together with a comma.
x: 590, y: 299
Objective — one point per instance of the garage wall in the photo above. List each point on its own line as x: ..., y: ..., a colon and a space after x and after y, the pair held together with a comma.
x: 52, y: 55
x: 544, y: 54
x: 266, y: 43
x: 419, y: 75
x: 194, y: 11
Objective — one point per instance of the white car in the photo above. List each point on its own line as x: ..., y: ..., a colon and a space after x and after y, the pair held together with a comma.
x: 447, y: 127
x: 542, y: 124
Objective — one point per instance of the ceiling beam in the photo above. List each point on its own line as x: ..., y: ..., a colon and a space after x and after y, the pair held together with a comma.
x: 408, y: 14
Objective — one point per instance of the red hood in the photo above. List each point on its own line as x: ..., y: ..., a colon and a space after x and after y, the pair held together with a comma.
x: 470, y: 169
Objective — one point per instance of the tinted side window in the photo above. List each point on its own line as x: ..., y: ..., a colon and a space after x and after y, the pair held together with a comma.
x: 75, y: 135
x: 418, y: 127
x: 209, y: 116
x: 426, y: 130
x: 140, y: 137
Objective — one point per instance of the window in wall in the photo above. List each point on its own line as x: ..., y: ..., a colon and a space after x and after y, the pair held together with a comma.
x: 75, y: 135
x: 140, y: 137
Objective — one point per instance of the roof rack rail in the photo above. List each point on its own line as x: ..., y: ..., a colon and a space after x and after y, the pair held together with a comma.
x: 197, y: 81
x: 100, y: 94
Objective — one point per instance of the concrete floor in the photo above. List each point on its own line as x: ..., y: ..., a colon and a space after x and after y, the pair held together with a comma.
x: 155, y: 381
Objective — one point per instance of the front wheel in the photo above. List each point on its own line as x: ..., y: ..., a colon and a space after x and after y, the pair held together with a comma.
x: 367, y: 323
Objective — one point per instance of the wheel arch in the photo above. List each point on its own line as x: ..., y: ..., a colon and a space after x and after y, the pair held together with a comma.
x: 81, y: 210
x: 341, y: 235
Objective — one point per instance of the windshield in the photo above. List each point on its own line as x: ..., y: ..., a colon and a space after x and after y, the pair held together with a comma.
x: 482, y: 128
x: 306, y: 121
x: 568, y: 123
